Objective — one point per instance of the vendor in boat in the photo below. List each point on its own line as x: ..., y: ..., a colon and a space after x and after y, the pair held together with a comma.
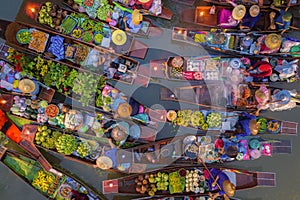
x: 228, y: 19
x: 266, y: 44
x: 280, y: 100
x: 132, y: 22
x: 281, y: 21
x: 259, y: 70
x: 219, y: 180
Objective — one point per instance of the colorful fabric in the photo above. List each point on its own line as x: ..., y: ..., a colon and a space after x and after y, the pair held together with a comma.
x: 225, y: 19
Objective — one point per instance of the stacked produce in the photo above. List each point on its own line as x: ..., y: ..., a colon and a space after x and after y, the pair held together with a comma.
x: 46, y: 137
x: 151, y: 183
x: 30, y: 109
x: 66, y: 144
x: 38, y: 41
x: 84, y: 149
x: 214, y: 119
x: 190, y: 118
x: 176, y: 183
x: 46, y: 182
x: 273, y: 126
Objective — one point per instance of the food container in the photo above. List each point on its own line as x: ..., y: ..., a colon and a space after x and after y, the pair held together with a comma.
x: 22, y: 32
x: 51, y: 111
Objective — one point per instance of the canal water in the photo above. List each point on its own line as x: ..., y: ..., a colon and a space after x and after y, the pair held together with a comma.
x: 285, y: 166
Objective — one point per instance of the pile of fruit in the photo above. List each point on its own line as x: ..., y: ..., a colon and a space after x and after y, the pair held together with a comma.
x: 176, y: 183
x: 84, y: 149
x: 190, y: 118
x: 46, y: 137
x: 46, y: 182
x: 151, y: 183
x: 214, y: 120
x: 66, y: 144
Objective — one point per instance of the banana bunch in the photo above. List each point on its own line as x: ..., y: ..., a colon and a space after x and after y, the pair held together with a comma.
x: 43, y: 181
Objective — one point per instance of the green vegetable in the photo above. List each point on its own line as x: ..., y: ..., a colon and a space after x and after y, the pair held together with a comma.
x: 103, y: 10
x: 66, y: 144
x: 98, y: 38
x: 214, y: 120
x: 87, y: 37
x: 84, y: 149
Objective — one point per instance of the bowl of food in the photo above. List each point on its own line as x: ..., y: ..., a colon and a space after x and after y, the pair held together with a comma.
x: 273, y: 126
x: 23, y: 36
x: 51, y: 111
x: 65, y: 191
x: 171, y: 115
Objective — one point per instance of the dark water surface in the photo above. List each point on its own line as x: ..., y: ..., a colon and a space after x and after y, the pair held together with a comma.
x: 287, y: 167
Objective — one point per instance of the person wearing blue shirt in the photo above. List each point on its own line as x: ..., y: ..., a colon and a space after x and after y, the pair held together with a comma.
x: 284, y: 18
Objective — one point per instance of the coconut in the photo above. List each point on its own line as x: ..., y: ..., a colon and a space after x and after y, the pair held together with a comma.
x: 136, y: 180
x: 139, y: 183
x: 64, y: 14
x: 138, y: 188
x: 147, y: 176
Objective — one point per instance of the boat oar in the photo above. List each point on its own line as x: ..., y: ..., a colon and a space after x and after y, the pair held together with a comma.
x: 213, y: 178
x: 292, y: 27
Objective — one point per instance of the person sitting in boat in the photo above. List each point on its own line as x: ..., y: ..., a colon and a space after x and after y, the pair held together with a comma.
x: 118, y: 133
x: 260, y: 70
x: 282, y: 21
x: 251, y: 18
x: 266, y: 44
x: 286, y: 69
x: 280, y: 100
x: 219, y: 180
x: 228, y: 19
x: 132, y: 22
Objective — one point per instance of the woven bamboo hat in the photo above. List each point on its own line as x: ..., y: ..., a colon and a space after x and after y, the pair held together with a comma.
x: 239, y: 12
x: 229, y: 188
x: 137, y: 17
x: 119, y: 37
x: 124, y: 110
x: 26, y: 86
x: 273, y: 41
x: 254, y: 11
x: 104, y: 162
x: 254, y: 127
x: 144, y: 1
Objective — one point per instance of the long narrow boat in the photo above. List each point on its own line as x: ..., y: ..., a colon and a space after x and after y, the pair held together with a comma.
x: 52, y: 186
x: 205, y: 197
x: 234, y: 96
x: 63, y: 49
x: 176, y: 178
x: 147, y: 28
x: 250, y: 44
x: 81, y: 28
x: 219, y: 68
x: 262, y: 4
x: 154, y: 8
x: 203, y: 16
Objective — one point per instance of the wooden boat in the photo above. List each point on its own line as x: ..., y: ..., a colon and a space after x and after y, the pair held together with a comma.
x: 233, y: 43
x: 28, y: 170
x: 262, y: 4
x: 229, y: 96
x: 205, y: 197
x: 204, y: 65
x: 201, y: 16
x: 129, y: 70
x: 157, y: 9
x: 186, y: 2
x: 148, y: 29
x: 243, y: 179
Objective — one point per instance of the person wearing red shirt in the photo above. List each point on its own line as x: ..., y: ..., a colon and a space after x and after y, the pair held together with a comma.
x: 260, y: 69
